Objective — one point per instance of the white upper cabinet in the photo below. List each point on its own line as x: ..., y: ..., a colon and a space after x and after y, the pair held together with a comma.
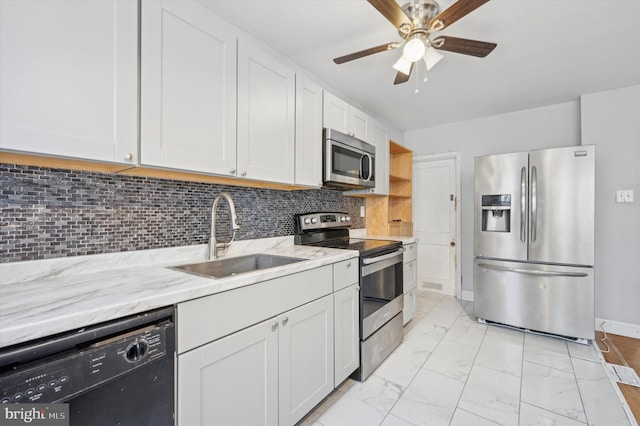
x: 341, y: 116
x: 308, y: 166
x: 68, y: 78
x: 360, y: 124
x: 188, y: 88
x: 380, y: 139
x: 336, y: 113
x: 266, y: 116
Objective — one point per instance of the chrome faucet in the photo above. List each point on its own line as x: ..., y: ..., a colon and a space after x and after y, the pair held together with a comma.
x: 213, y: 244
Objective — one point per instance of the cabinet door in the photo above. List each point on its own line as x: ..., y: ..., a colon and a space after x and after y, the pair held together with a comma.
x: 232, y: 381
x: 359, y: 122
x: 409, y: 309
x: 380, y: 140
x: 306, y: 358
x: 188, y: 88
x: 266, y: 116
x: 409, y: 276
x: 308, y: 166
x: 68, y: 80
x: 346, y: 328
x: 335, y: 113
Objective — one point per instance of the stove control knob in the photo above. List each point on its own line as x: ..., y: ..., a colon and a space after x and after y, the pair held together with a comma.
x: 307, y: 221
x: 314, y: 220
x: 348, y: 218
x: 343, y: 219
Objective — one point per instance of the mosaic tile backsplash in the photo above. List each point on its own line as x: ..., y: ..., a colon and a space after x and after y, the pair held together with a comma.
x: 50, y: 213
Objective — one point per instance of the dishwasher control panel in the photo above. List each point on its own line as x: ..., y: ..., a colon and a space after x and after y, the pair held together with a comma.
x: 60, y: 377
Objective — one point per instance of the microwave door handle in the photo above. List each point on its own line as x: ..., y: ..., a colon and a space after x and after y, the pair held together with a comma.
x: 370, y: 160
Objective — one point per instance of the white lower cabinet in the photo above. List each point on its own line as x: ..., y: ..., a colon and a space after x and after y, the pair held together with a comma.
x: 409, y: 283
x: 232, y: 381
x: 346, y: 328
x: 305, y: 359
x: 271, y: 373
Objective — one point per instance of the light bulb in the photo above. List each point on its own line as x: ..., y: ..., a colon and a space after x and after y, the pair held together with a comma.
x: 431, y: 57
x: 403, y: 66
x: 414, y: 49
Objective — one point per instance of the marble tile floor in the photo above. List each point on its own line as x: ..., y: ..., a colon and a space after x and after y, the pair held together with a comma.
x: 451, y: 370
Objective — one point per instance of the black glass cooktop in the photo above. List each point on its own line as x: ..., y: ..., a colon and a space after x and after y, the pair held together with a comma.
x: 364, y: 246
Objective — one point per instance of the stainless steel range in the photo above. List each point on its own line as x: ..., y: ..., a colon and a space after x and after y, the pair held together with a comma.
x: 381, y: 299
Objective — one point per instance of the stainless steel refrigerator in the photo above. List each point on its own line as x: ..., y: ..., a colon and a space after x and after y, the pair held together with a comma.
x: 534, y: 240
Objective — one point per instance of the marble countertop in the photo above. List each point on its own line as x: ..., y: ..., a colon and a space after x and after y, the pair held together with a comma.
x: 44, y: 297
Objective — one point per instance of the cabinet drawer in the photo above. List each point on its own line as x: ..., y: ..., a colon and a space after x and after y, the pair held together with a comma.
x: 345, y: 273
x: 209, y: 318
x: 411, y: 253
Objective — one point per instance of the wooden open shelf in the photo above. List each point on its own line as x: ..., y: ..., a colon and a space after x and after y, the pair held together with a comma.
x: 391, y: 215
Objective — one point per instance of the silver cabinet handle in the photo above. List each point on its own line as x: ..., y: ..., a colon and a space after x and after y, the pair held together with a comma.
x: 348, y: 264
x: 533, y: 271
x: 523, y: 205
x: 274, y: 326
x: 232, y: 171
x: 128, y: 157
x: 534, y: 203
x: 244, y: 173
x: 285, y: 320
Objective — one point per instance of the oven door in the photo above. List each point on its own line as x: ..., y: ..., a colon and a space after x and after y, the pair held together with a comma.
x: 347, y: 166
x: 380, y: 290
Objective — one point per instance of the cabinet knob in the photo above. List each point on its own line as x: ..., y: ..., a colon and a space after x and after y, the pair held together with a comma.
x: 348, y: 264
x: 232, y: 171
x: 244, y: 173
x: 357, y: 288
x: 285, y: 320
x: 274, y: 326
x: 128, y: 157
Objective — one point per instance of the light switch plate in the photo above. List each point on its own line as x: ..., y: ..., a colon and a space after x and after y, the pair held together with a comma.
x: 361, y: 211
x: 624, y: 196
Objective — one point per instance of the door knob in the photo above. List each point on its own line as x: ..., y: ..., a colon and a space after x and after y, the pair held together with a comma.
x: 452, y: 243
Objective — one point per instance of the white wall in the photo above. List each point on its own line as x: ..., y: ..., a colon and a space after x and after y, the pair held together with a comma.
x: 548, y: 127
x: 611, y: 121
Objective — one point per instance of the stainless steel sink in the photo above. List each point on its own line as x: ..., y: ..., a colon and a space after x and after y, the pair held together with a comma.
x: 236, y: 265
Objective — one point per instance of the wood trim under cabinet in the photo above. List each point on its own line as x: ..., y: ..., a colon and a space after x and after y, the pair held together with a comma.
x: 132, y: 170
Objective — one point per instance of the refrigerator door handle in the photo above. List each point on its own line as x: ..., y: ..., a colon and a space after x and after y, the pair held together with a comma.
x: 523, y: 204
x: 533, y: 271
x: 534, y: 203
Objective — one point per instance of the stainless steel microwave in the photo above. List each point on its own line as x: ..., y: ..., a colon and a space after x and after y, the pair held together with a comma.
x: 348, y: 162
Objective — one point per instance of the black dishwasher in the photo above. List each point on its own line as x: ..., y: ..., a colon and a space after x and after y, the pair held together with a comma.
x: 119, y: 372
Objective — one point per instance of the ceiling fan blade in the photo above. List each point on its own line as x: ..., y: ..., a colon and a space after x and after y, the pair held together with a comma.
x: 401, y: 77
x: 463, y: 46
x: 394, y: 14
x: 366, y: 52
x: 458, y: 10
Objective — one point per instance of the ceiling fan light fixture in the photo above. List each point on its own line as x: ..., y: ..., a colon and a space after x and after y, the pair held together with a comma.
x: 403, y: 65
x: 431, y: 57
x: 415, y: 48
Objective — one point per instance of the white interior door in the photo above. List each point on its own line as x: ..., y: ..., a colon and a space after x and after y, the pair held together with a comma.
x: 435, y: 195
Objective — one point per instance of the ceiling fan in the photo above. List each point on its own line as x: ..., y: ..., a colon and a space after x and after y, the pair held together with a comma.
x: 416, y: 21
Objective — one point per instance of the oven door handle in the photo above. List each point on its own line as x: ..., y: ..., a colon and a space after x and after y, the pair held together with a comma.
x: 370, y: 260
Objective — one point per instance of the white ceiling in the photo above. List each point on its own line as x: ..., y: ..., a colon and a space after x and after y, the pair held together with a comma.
x: 549, y: 51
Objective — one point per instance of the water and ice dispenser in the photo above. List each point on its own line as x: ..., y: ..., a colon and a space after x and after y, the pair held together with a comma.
x: 496, y: 213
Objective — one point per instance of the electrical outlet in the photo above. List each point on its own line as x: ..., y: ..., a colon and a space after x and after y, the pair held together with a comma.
x: 361, y: 211
x: 624, y: 196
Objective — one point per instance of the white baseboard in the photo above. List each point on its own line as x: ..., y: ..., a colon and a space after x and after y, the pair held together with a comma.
x: 467, y: 296
x: 617, y: 327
